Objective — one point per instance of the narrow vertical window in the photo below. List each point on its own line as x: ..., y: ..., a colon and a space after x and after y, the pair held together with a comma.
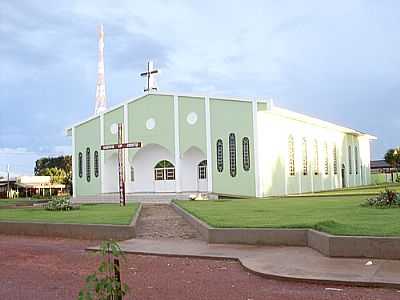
x: 80, y: 167
x: 220, y: 156
x: 292, y: 170
x: 356, y: 158
x: 326, y: 166
x: 350, y: 162
x: 232, y: 154
x: 316, y: 158
x: 88, y: 164
x: 305, y: 157
x: 96, y: 163
x: 246, y: 153
x: 335, y: 163
x: 132, y: 174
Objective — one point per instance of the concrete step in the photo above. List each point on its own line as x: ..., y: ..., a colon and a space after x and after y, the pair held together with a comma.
x: 141, y: 197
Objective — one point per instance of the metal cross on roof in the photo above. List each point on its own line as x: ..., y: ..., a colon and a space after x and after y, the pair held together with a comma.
x: 151, y: 80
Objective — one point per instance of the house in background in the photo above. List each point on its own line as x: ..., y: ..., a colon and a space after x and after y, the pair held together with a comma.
x: 29, y: 186
x: 382, y: 172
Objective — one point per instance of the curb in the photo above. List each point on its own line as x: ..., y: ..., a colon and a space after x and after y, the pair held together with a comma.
x: 325, y: 243
x: 77, y: 231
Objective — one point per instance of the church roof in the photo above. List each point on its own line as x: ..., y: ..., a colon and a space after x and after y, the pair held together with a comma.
x: 270, y: 107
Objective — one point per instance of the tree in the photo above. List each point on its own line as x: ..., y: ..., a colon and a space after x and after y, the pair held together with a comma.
x: 57, y: 175
x: 392, y: 157
x: 60, y: 168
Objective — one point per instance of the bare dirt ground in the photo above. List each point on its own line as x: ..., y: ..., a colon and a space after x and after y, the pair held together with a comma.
x: 41, y: 268
x: 160, y: 221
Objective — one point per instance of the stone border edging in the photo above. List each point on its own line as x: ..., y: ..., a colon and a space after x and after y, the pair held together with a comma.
x: 77, y: 231
x: 327, y: 244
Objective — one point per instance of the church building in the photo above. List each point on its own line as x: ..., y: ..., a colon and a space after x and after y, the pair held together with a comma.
x: 219, y: 146
x: 216, y: 146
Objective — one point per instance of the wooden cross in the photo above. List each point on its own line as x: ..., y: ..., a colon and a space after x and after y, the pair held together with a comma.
x: 120, y: 146
x: 151, y: 83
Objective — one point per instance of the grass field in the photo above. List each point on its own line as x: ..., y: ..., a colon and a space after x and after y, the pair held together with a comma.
x: 7, y: 202
x: 367, y: 190
x: 87, y: 214
x: 339, y: 214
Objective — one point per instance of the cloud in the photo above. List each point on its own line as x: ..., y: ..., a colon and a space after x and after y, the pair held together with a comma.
x: 335, y: 61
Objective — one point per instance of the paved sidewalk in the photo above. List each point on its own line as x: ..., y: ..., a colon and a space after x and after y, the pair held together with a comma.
x: 160, y: 221
x: 298, y: 263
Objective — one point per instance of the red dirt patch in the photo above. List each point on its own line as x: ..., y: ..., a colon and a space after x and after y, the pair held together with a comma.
x: 41, y: 268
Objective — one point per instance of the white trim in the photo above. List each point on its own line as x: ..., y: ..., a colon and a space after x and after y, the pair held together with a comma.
x: 255, y: 148
x: 286, y: 161
x: 300, y: 161
x: 208, y: 141
x: 126, y: 139
x: 102, y: 153
x: 177, y: 150
x: 73, y: 164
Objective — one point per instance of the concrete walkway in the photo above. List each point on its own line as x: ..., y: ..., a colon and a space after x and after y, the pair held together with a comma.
x: 296, y: 263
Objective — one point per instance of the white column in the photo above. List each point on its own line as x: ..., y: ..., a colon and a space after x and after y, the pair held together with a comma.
x: 299, y: 160
x: 208, y: 140
x: 255, y: 148
x: 73, y: 163
x: 177, y: 150
x: 311, y: 160
x: 102, y: 153
x: 330, y: 159
x: 126, y: 139
x: 354, y: 160
x: 286, y: 153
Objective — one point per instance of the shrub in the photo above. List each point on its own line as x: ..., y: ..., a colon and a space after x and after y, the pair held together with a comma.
x: 61, y: 203
x: 387, y: 198
x: 105, y: 284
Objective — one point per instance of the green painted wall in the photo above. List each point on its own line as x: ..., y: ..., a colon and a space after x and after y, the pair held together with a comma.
x: 87, y: 135
x: 111, y: 117
x: 232, y: 117
x: 159, y: 107
x: 192, y: 135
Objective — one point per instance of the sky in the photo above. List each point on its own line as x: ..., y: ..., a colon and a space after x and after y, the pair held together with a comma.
x: 335, y: 60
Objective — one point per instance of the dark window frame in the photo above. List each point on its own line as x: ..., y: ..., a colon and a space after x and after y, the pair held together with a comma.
x: 80, y: 164
x: 88, y: 166
x: 96, y: 163
x: 246, y: 153
x: 220, y: 155
x: 232, y: 155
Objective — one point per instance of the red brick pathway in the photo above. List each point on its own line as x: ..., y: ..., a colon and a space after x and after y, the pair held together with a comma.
x: 40, y: 268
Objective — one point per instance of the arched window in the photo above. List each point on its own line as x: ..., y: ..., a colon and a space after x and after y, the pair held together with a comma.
x: 220, y: 156
x: 326, y: 164
x: 202, y: 169
x: 164, y: 170
x: 316, y: 158
x: 305, y: 156
x: 232, y: 154
x: 80, y: 167
x: 356, y: 158
x: 246, y: 153
x: 292, y: 170
x: 132, y: 174
x: 335, y: 163
x: 96, y: 163
x: 88, y: 164
x: 350, y: 162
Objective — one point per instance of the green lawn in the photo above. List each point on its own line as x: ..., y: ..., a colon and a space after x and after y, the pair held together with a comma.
x: 7, y: 202
x: 367, y: 190
x: 87, y: 214
x: 340, y: 215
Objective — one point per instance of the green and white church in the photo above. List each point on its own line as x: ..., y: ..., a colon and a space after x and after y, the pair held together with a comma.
x: 200, y: 144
